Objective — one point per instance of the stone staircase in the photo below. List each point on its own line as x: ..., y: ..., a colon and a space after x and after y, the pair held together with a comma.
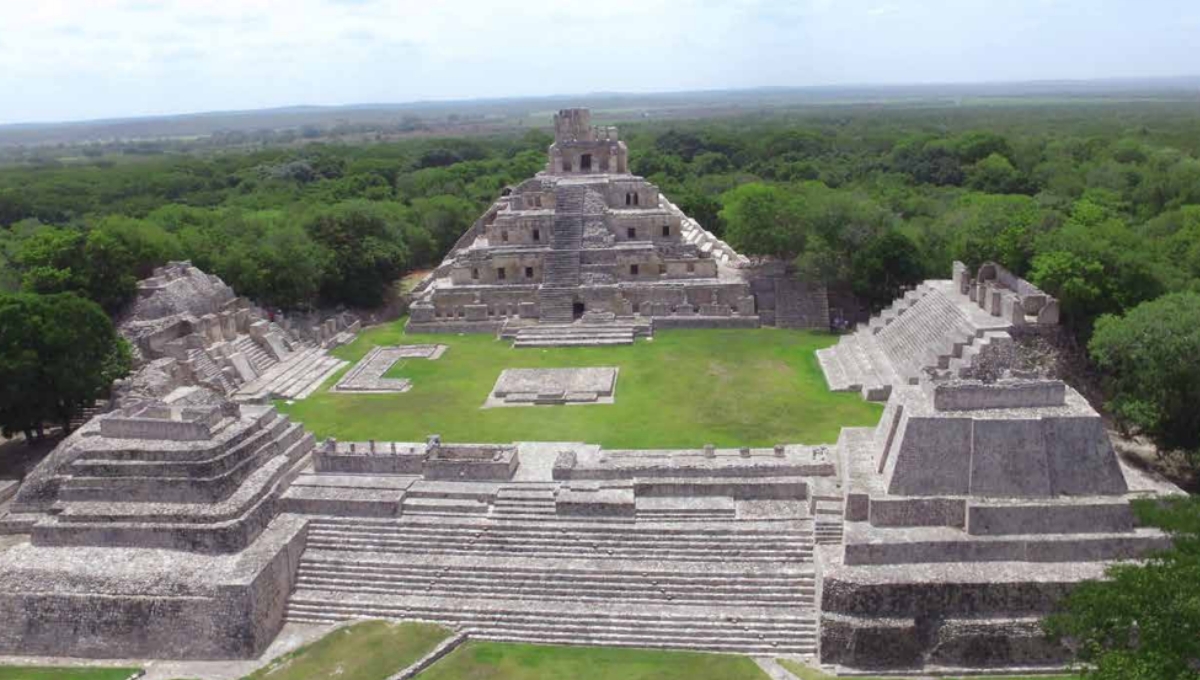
x: 746, y: 587
x: 576, y: 335
x: 296, y: 377
x: 689, y: 509
x: 923, y: 329
x: 525, y: 501
x: 207, y: 372
x: 561, y: 266
x: 260, y: 359
x: 214, y: 499
x: 828, y: 522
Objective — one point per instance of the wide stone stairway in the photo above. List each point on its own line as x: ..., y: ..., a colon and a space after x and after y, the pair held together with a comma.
x: 930, y: 327
x: 525, y: 575
x: 576, y: 335
x: 560, y: 278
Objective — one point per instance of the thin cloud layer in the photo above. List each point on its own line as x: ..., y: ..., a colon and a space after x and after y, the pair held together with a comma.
x: 81, y: 59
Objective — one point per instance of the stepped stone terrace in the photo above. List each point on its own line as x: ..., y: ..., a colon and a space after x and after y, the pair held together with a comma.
x: 187, y: 523
x: 585, y: 241
x: 953, y: 326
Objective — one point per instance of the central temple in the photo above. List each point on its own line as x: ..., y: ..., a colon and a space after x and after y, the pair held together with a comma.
x: 585, y: 243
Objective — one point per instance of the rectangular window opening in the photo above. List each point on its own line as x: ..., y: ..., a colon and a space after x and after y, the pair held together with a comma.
x: 631, y: 232
x: 666, y: 230
x: 500, y: 273
x: 529, y: 272
x: 633, y: 270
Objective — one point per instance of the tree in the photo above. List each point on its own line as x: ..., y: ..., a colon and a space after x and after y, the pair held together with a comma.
x: 995, y: 175
x: 1151, y: 361
x: 367, y: 249
x: 1143, y: 621
x: 58, y: 354
x: 445, y: 218
x: 761, y: 219
x: 888, y: 264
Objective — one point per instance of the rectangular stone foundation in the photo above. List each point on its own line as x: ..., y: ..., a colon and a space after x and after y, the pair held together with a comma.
x: 130, y: 603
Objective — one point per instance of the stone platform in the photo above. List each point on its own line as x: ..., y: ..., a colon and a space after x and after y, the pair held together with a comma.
x: 954, y: 327
x: 367, y: 374
x: 554, y: 386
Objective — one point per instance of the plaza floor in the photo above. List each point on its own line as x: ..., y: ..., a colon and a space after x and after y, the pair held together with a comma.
x: 683, y: 388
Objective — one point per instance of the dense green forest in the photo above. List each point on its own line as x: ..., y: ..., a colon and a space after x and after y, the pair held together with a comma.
x: 1096, y: 202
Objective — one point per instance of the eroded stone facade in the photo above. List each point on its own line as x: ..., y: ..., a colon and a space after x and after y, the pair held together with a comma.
x: 584, y: 236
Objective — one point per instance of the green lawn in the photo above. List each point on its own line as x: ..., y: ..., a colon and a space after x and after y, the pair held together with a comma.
x: 51, y: 673
x: 373, y: 650
x: 805, y: 673
x: 684, y: 388
x: 503, y: 661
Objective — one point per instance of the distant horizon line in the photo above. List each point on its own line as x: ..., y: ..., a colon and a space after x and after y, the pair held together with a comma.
x: 1190, y: 80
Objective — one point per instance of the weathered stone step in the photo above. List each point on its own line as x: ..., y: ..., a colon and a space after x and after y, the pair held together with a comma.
x: 716, y: 574
x: 533, y: 591
x: 451, y: 506
x: 500, y: 537
x: 697, y: 619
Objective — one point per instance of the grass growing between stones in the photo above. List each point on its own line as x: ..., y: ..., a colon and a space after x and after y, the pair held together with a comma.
x: 51, y: 673
x: 506, y: 661
x: 684, y: 388
x: 805, y: 673
x: 373, y: 650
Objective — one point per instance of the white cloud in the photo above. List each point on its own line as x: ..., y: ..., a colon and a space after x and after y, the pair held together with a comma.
x: 71, y: 59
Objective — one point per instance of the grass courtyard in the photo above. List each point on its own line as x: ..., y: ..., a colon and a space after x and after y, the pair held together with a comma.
x: 684, y: 388
x: 508, y: 661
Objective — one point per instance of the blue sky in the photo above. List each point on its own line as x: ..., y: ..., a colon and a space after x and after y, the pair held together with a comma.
x: 84, y: 59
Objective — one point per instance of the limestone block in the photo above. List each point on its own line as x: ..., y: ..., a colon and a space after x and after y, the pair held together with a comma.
x: 995, y: 643
x: 1048, y: 314
x: 259, y: 329
x: 592, y: 500
x: 1009, y: 459
x: 858, y: 507
x: 917, y: 512
x: 229, y: 329
x: 1080, y: 457
x: 933, y: 458
x: 242, y: 365
x: 715, y: 310
x: 685, y: 310
x: 995, y: 304
x: 745, y: 306
x: 1001, y: 395
x: 273, y: 343
x: 961, y: 277
x: 422, y: 313
x: 1044, y: 518
x: 870, y: 642
x: 476, y: 312
x: 1012, y: 309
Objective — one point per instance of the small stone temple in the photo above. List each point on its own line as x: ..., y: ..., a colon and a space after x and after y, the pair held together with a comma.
x: 585, y: 240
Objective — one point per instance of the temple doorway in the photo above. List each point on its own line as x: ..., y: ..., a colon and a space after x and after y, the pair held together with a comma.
x: 585, y: 162
x: 577, y: 310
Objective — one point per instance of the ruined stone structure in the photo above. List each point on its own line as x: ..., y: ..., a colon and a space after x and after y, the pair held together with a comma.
x: 940, y: 326
x: 584, y: 241
x: 187, y: 525
x: 199, y: 333
x: 970, y: 510
x: 154, y: 531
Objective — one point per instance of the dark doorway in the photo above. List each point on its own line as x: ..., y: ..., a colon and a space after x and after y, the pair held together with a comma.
x: 577, y: 310
x: 585, y: 162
